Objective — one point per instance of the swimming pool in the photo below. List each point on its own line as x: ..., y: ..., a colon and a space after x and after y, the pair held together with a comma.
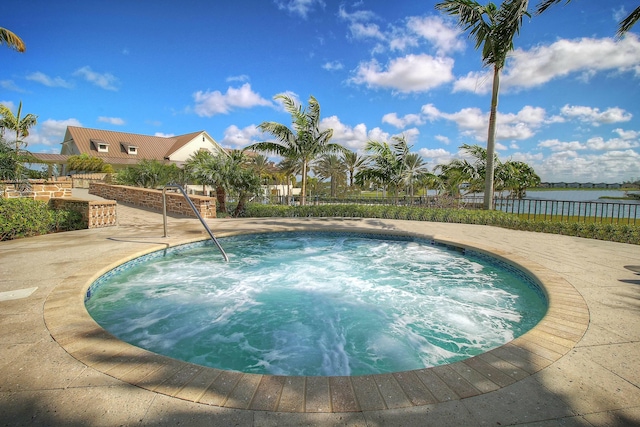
x: 317, y: 304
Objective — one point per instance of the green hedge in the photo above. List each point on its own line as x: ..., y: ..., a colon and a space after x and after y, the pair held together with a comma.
x: 623, y: 233
x: 28, y: 217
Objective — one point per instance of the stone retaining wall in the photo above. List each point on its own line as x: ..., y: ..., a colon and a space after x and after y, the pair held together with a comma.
x: 40, y: 190
x: 95, y: 213
x: 152, y: 199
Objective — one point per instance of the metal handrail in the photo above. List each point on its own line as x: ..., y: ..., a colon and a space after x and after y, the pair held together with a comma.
x: 195, y: 210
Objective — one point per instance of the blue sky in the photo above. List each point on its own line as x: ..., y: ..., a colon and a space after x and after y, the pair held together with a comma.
x: 568, y: 104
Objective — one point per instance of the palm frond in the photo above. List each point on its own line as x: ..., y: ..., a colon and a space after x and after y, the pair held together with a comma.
x: 12, y: 40
x: 628, y: 22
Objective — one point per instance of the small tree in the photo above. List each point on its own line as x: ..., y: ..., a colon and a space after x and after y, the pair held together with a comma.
x: 85, y: 163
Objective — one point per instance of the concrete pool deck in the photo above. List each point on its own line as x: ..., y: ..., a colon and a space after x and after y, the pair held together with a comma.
x: 579, y: 366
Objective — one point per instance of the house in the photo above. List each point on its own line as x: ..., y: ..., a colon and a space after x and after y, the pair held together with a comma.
x: 121, y: 149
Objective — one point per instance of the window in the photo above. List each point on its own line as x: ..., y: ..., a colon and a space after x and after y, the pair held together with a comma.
x: 100, y: 146
x: 129, y: 148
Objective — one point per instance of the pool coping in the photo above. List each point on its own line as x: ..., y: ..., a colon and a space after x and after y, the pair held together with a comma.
x: 562, y: 327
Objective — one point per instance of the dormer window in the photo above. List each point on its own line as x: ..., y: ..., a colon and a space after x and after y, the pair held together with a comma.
x: 129, y: 148
x: 100, y: 146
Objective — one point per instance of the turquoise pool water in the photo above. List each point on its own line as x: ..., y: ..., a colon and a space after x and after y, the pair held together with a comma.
x: 317, y: 304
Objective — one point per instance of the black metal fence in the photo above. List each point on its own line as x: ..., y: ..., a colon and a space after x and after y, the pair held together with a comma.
x: 534, y: 209
x: 617, y: 212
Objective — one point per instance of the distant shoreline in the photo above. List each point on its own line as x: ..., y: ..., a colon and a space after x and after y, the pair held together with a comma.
x: 580, y: 189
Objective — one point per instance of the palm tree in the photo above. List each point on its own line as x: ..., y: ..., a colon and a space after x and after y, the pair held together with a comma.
x: 414, y: 169
x: 330, y: 166
x: 352, y: 162
x: 202, y: 167
x: 516, y: 177
x: 11, y: 40
x: 241, y: 179
x: 16, y: 123
x: 288, y: 169
x: 305, y: 142
x: 19, y: 125
x: 265, y: 169
x: 461, y: 171
x: 625, y: 25
x: 494, y: 29
x: 385, y: 164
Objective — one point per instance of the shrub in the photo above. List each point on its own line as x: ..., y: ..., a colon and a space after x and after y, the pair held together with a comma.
x: 624, y: 233
x: 28, y: 217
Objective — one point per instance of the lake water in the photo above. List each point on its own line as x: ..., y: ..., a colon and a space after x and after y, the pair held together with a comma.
x: 576, y: 195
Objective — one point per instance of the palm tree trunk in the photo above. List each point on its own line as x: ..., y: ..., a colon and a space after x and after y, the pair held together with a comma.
x: 221, y: 195
x: 491, y: 142
x: 303, y: 196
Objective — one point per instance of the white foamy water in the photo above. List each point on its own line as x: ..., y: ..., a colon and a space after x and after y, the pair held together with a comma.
x: 317, y: 304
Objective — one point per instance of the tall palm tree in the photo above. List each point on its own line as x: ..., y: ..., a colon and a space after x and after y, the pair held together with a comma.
x: 305, y: 142
x: 492, y: 28
x: 11, y: 40
x: 623, y: 26
x: 330, y: 166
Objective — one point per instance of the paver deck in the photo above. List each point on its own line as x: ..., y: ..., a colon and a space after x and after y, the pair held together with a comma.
x: 579, y: 366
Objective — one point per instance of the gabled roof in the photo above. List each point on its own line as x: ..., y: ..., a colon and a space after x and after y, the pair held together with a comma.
x: 147, y: 147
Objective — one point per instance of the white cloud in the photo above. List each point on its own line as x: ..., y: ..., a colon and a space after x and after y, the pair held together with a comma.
x: 438, y: 156
x: 105, y: 81
x: 235, y: 137
x: 10, y: 85
x: 209, y: 103
x: 49, y: 81
x: 569, y: 166
x: 354, y: 138
x: 357, y: 16
x: 594, y: 143
x: 544, y: 63
x: 366, y: 31
x: 619, y: 14
x: 475, y: 81
x: 473, y: 122
x: 600, y: 144
x: 239, y: 78
x: 51, y: 132
x: 411, y: 73
x: 111, y: 120
x: 594, y: 116
x: 333, y: 66
x: 434, y: 29
x: 535, y: 67
x: 164, y: 135
x: 627, y: 134
x: 443, y: 139
x: 401, y: 123
x: 299, y: 7
x: 557, y: 145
